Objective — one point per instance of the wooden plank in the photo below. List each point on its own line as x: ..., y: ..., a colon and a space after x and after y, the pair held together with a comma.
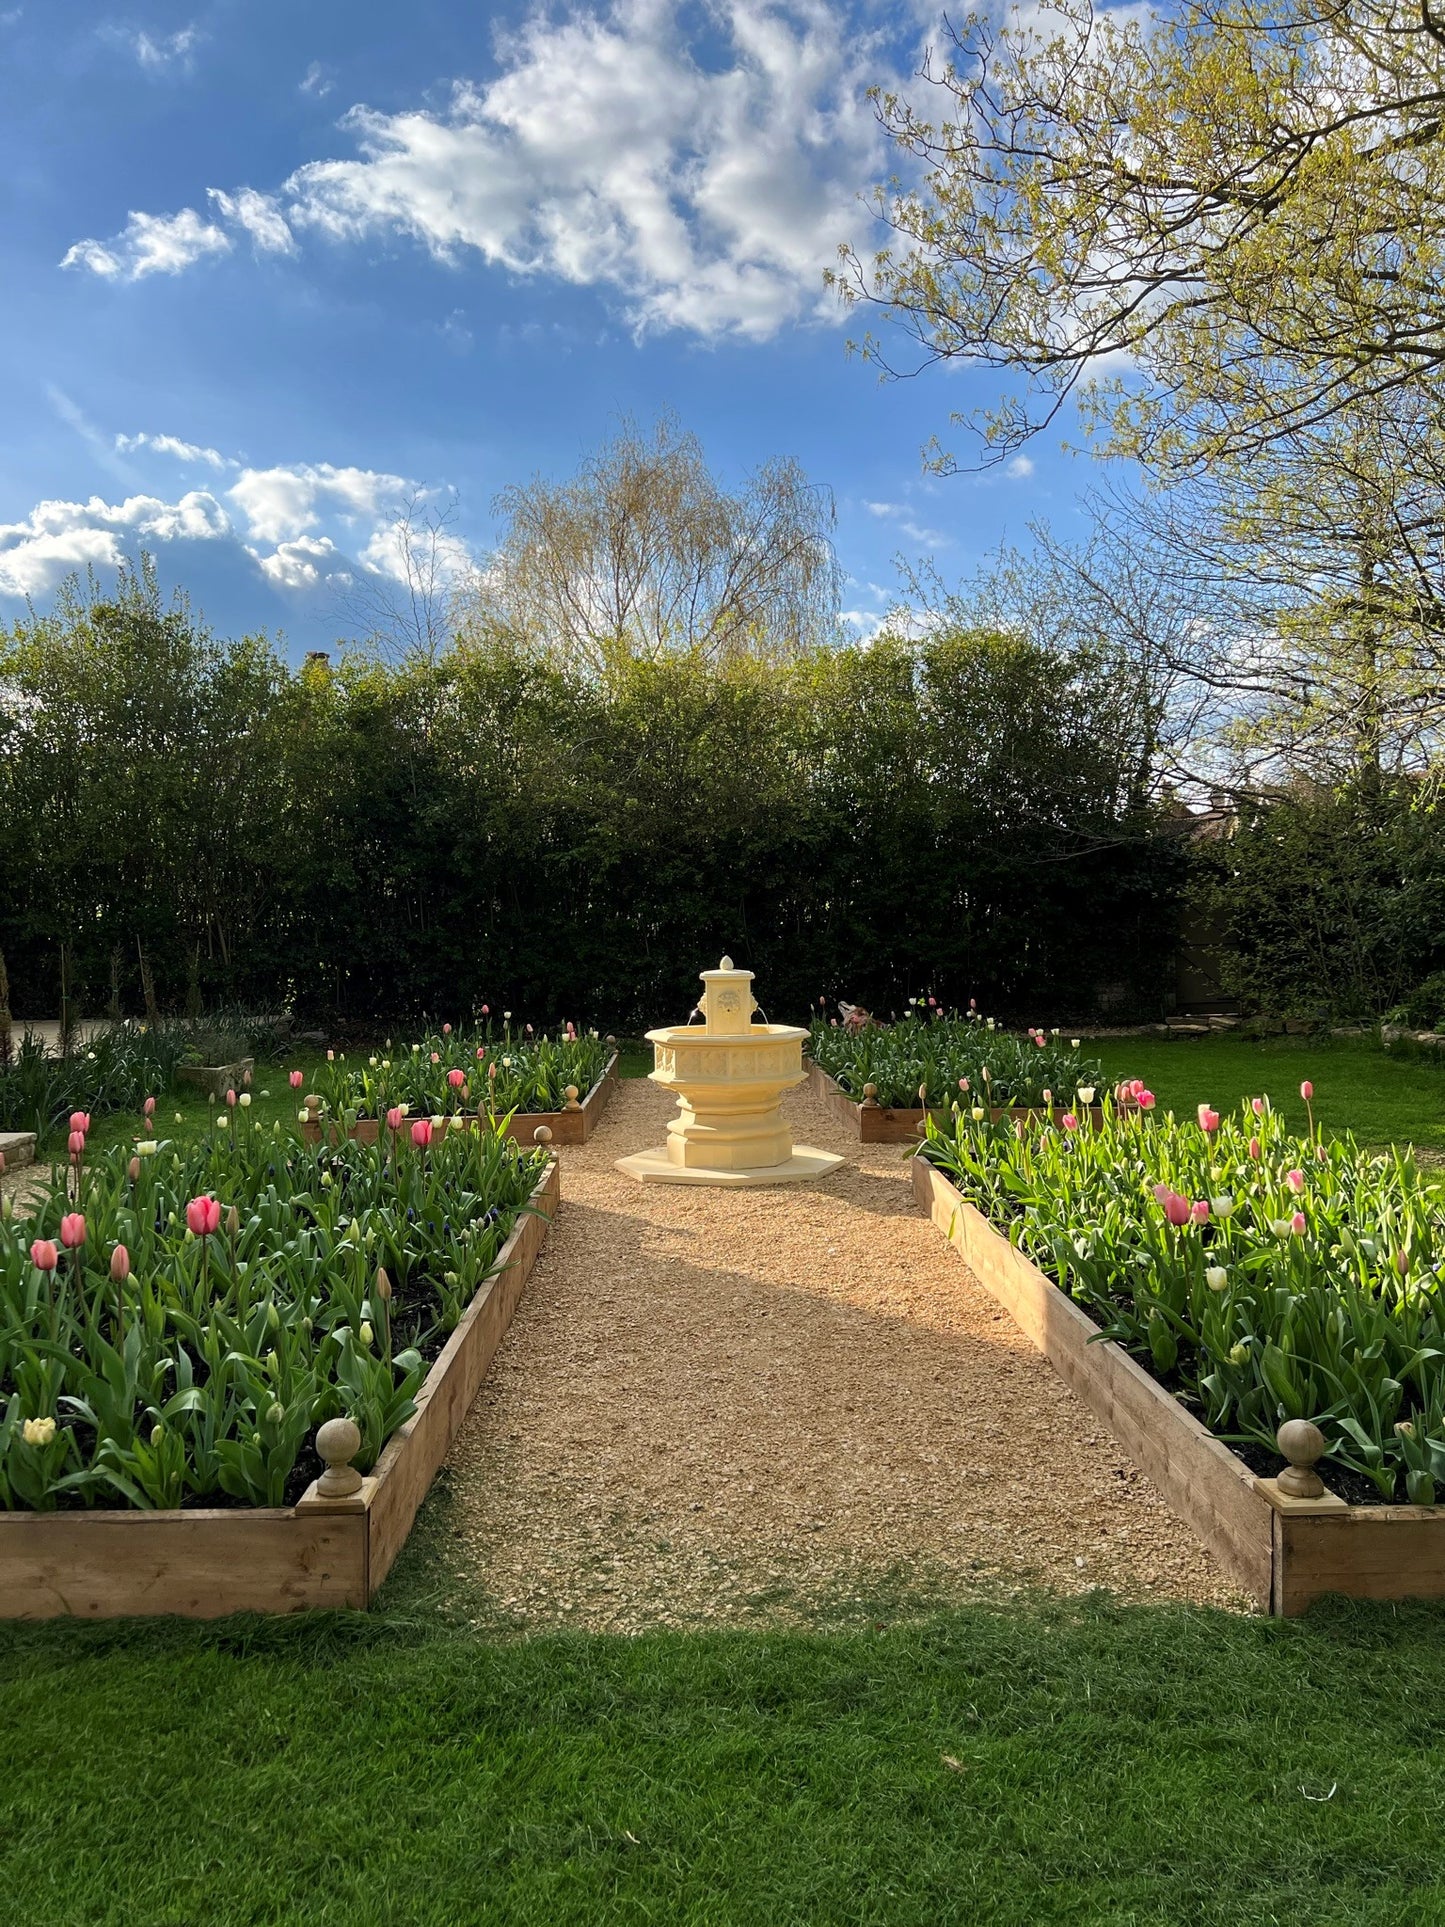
x: 202, y: 1564
x: 1201, y: 1479
x: 1366, y: 1552
x: 408, y: 1465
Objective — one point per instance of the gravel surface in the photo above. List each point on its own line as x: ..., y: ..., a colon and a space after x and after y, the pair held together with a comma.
x: 775, y: 1405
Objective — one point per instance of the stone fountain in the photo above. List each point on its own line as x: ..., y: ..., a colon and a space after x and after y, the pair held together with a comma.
x: 729, y: 1075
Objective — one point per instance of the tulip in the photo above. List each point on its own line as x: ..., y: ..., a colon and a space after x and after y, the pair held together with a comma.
x: 1402, y: 1262
x: 1306, y: 1090
x: 77, y: 1145
x: 436, y: 1057
x: 245, y: 1100
x: 1254, y: 1149
x: 72, y: 1230
x: 80, y: 1120
x: 231, y: 1100
x: 149, y: 1107
x: 1175, y: 1208
x: 1073, y: 1043
x: 1048, y: 1097
x: 1135, y: 1086
x: 296, y: 1080
x: 1295, y: 1180
x: 1257, y: 1106
x: 1086, y: 1095
x: 1223, y: 1205
x: 1069, y: 1121
x: 395, y: 1118
x: 486, y: 1010
x: 456, y: 1078
x: 43, y: 1255
x: 365, y: 1334
x: 245, y: 1079
x: 1321, y: 1154
x: 1145, y: 1100
x: 203, y: 1217
x: 963, y: 1083
x: 1217, y: 1278
x: 38, y: 1431
x: 1297, y: 1224
x: 1208, y: 1119
x: 978, y: 1114
x: 233, y: 1222
x: 1040, y: 1039
x: 1238, y: 1353
x: 383, y: 1284
x: 481, y: 1052
x: 331, y: 1057
x: 1199, y: 1210
x: 120, y: 1264
x: 421, y: 1133
x: 446, y: 1030
x: 133, y: 1170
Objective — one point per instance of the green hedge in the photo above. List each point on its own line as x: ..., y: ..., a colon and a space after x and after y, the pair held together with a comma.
x: 967, y: 816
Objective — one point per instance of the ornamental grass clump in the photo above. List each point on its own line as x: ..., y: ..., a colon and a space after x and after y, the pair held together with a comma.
x: 953, y: 1059
x: 465, y: 1072
x: 1262, y: 1275
x: 175, y: 1320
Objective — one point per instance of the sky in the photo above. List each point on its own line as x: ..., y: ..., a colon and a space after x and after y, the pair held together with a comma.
x: 273, y: 268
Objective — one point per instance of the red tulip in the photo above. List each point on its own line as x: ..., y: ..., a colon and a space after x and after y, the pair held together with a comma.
x: 296, y: 1080
x: 1145, y: 1100
x: 395, y: 1118
x: 149, y: 1107
x: 120, y: 1264
x: 456, y: 1079
x: 203, y: 1217
x: 72, y: 1230
x: 1069, y: 1121
x: 1254, y: 1150
x: 43, y: 1255
x: 421, y: 1133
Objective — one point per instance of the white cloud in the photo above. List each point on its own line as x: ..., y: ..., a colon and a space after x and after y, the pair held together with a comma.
x: 1020, y: 468
x: 299, y: 564
x: 282, y: 503
x: 259, y: 215
x: 156, y: 52
x: 172, y: 445
x: 900, y: 513
x: 316, y: 80
x: 708, y: 193
x: 150, y: 244
x: 57, y: 537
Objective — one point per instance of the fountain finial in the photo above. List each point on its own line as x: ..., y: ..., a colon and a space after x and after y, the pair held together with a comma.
x: 726, y: 964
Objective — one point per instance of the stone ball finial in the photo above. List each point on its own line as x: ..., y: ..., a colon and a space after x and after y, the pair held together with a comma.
x: 726, y: 964
x: 542, y: 1134
x: 338, y: 1441
x: 870, y: 1097
x: 571, y: 1095
x: 1302, y: 1443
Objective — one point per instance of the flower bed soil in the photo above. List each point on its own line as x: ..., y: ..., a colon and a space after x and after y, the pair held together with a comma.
x: 567, y: 1127
x: 104, y: 1563
x: 1286, y: 1552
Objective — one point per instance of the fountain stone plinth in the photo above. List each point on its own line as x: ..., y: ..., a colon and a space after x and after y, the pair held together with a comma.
x: 729, y: 1075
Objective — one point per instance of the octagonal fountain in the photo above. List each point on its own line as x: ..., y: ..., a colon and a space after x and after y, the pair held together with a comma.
x: 729, y: 1075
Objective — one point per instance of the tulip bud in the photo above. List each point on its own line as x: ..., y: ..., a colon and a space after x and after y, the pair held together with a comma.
x: 365, y: 1333
x: 233, y: 1222
x: 133, y: 1170
x: 383, y: 1284
x: 1217, y: 1278
x: 120, y: 1264
x: 275, y: 1413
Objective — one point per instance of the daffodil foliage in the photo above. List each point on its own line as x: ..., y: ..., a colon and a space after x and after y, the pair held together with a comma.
x: 143, y: 1365
x: 933, y: 1059
x: 1266, y: 1276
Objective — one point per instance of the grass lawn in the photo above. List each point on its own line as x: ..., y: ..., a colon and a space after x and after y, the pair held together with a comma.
x: 1383, y: 1098
x: 1042, y: 1761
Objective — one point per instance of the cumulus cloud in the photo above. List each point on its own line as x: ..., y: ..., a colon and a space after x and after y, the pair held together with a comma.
x: 304, y: 526
x: 1020, y: 467
x: 172, y: 445
x: 709, y: 193
x: 150, y: 244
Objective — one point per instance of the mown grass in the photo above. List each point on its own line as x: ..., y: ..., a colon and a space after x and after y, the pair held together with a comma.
x: 1047, y: 1762
x: 1382, y: 1097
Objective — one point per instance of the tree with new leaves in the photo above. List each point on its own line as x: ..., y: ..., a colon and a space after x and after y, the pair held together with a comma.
x: 1245, y: 199
x: 643, y: 553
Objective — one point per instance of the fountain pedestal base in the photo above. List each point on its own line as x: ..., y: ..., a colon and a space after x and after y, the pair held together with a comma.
x: 655, y: 1167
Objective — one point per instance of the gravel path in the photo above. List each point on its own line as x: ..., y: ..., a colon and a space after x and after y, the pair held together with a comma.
x: 763, y: 1406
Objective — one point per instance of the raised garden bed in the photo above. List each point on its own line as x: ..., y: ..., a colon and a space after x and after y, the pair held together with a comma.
x: 574, y: 1125
x: 1283, y: 1551
x: 318, y: 1552
x: 874, y: 1123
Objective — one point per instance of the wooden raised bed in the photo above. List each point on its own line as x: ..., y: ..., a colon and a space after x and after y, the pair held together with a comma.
x: 319, y: 1552
x: 567, y: 1127
x: 878, y: 1124
x: 1286, y: 1552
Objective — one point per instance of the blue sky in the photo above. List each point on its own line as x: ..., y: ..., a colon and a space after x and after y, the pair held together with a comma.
x: 270, y: 268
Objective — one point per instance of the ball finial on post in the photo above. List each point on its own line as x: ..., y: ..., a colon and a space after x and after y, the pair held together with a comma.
x: 542, y: 1134
x: 870, y: 1097
x: 1302, y: 1443
x: 571, y: 1096
x: 338, y: 1441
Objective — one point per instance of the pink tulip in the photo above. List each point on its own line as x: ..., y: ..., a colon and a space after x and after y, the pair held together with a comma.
x: 481, y: 1052
x: 72, y: 1230
x: 456, y: 1079
x: 1322, y: 1154
x: 1069, y: 1121
x: 76, y: 1142
x: 231, y: 1099
x: 1136, y: 1084
x: 149, y: 1107
x: 395, y: 1118
x: 436, y: 1057
x: 1048, y: 1097
x: 1199, y: 1210
x: 1208, y: 1119
x: 446, y: 1030
x: 203, y: 1217
x: 1297, y: 1224
x: 80, y: 1120
x: 421, y: 1133
x: 1039, y: 1039
x: 1175, y: 1208
x: 1257, y: 1105
x: 486, y: 1010
x: 133, y: 1170
x: 43, y: 1255
x: 491, y: 1070
x: 120, y: 1264
x: 1307, y: 1090
x: 1145, y: 1100
x: 932, y: 1003
x: 296, y: 1080
x: 1254, y: 1150
x: 1295, y: 1180
x: 331, y: 1057
x: 1402, y: 1261
x: 963, y: 1083
x: 529, y: 1030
